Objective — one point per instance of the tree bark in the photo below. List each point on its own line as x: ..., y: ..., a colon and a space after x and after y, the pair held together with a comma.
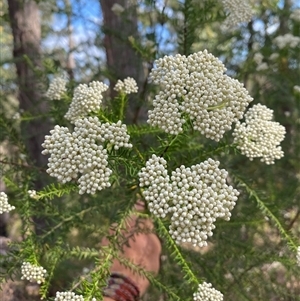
x: 70, y: 66
x: 122, y: 60
x: 26, y: 29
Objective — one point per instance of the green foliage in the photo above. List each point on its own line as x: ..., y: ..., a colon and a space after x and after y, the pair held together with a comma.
x: 248, y: 256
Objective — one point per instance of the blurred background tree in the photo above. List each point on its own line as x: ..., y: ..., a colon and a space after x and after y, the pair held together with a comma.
x: 247, y: 258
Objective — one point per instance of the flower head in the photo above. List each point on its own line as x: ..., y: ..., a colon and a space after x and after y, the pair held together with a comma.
x: 295, y: 15
x: 116, y: 134
x: 274, y: 56
x: 127, y: 86
x: 195, y: 196
x: 117, y: 9
x: 200, y: 195
x: 68, y: 296
x: 259, y: 136
x: 155, y: 177
x: 32, y: 194
x: 33, y: 273
x: 196, y: 85
x: 57, y: 88
x: 296, y: 89
x: 207, y: 293
x: 16, y: 116
x: 4, y: 205
x: 239, y: 11
x: 86, y: 99
x: 287, y: 40
x: 258, y: 58
x: 262, y: 67
x: 81, y: 153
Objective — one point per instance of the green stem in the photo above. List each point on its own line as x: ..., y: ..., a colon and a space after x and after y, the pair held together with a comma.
x: 28, y: 118
x: 219, y: 106
x: 141, y: 271
x: 45, y: 287
x: 98, y: 270
x: 51, y: 191
x: 139, y: 153
x: 268, y: 212
x: 103, y: 117
x: 180, y: 260
x: 170, y: 144
x: 67, y: 219
x: 122, y: 105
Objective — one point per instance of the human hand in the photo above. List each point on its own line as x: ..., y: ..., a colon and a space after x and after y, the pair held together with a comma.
x: 142, y: 248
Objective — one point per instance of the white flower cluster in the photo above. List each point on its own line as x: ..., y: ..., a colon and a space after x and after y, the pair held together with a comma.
x: 296, y: 89
x: 274, y: 56
x: 117, y: 9
x: 259, y: 136
x: 86, y: 99
x: 256, y: 46
x: 116, y: 134
x: 239, y: 11
x: 4, y: 205
x: 207, y: 293
x: 32, y: 194
x: 33, y: 273
x: 79, y: 152
x: 198, y: 196
x: 196, y: 85
x: 57, y: 88
x: 262, y: 67
x: 298, y: 256
x: 295, y: 15
x: 127, y: 86
x: 287, y: 40
x: 155, y: 177
x: 258, y: 59
x: 16, y: 116
x: 68, y: 296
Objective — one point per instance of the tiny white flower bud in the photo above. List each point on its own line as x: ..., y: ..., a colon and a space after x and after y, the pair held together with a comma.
x: 4, y: 205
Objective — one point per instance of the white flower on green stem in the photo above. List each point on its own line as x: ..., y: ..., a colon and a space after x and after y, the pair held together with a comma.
x: 127, y: 86
x: 33, y: 273
x: 194, y: 196
x: 86, y: 99
x: 68, y: 296
x: 274, y: 56
x: 296, y: 89
x: 262, y: 67
x: 258, y: 58
x: 4, y: 205
x: 287, y: 40
x: 239, y: 11
x: 57, y: 88
x: 81, y: 155
x: 197, y: 86
x: 32, y: 194
x: 259, y: 136
x: 295, y: 15
x: 154, y: 177
x: 207, y: 293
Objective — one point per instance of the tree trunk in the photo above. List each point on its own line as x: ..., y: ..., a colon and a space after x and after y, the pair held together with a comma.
x: 122, y: 60
x: 26, y: 29
x: 70, y: 66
